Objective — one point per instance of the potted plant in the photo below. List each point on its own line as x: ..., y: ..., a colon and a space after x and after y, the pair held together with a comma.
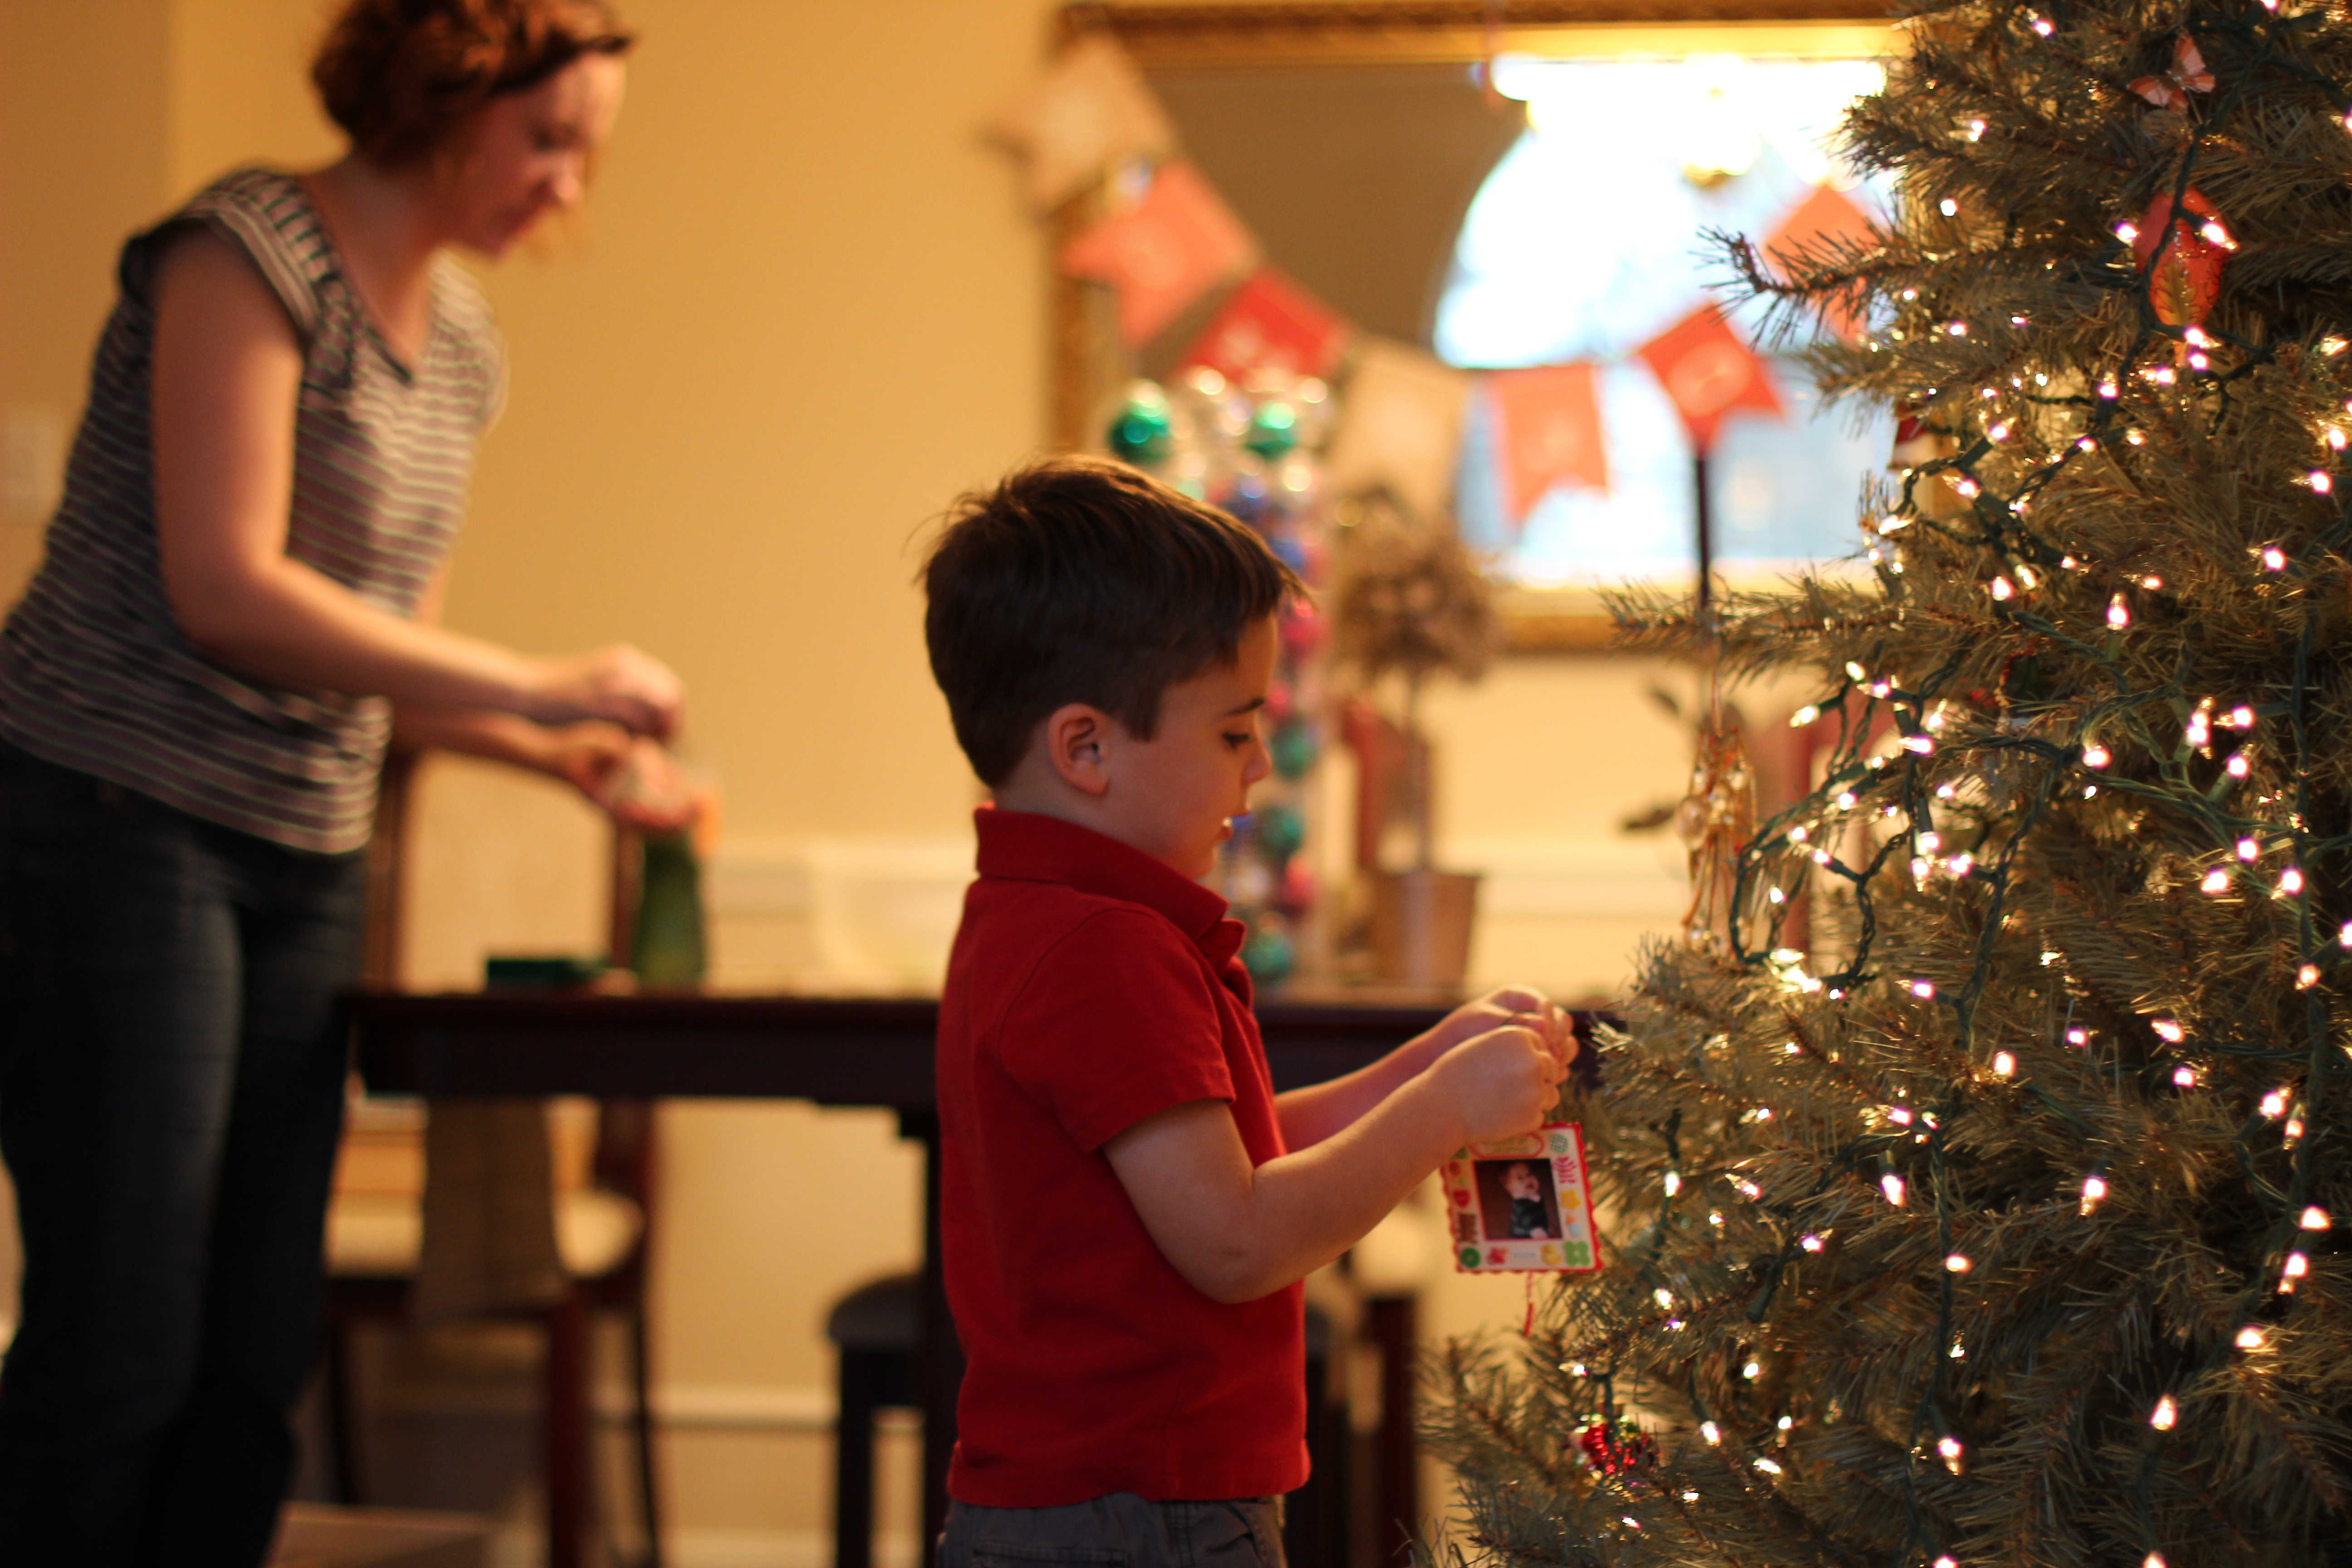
x: 1413, y: 603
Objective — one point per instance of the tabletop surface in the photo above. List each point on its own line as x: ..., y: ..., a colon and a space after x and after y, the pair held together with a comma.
x: 839, y: 1050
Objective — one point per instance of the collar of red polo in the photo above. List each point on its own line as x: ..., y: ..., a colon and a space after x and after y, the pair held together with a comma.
x: 1027, y: 847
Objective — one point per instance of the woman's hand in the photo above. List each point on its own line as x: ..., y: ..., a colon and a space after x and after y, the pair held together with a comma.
x: 618, y: 684
x: 632, y: 779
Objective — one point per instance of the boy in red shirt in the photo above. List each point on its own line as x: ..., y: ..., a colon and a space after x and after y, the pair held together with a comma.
x: 1127, y: 1207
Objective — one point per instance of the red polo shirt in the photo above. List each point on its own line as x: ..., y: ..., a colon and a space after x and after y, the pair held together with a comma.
x: 1092, y: 986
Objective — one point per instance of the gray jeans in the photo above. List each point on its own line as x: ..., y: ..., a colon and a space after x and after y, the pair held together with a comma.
x: 1121, y: 1530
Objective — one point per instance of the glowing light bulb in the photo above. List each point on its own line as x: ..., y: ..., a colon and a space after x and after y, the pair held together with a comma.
x: 1924, y: 989
x: 2319, y: 482
x: 1948, y: 207
x: 1810, y: 1243
x: 2290, y: 881
x: 2152, y: 1560
x: 1664, y: 1298
x: 2237, y: 767
x: 2250, y: 1337
x: 1803, y: 716
x: 2095, y: 1189
x: 1752, y: 1371
x: 2042, y: 25
x: 1899, y: 1115
x: 1673, y: 1183
x: 2248, y: 849
x: 2118, y: 613
x: 2217, y: 880
x: 2240, y: 718
x: 2344, y: 935
x: 1956, y: 1264
x: 2167, y: 1031
x: 2153, y: 583
x: 1951, y: 1449
x: 1710, y: 1431
x: 1957, y: 328
x: 2314, y: 1218
x: 2078, y: 1037
x: 1999, y: 432
x: 2003, y: 1064
x: 2274, y: 1104
x: 2000, y: 588
x: 2165, y: 1413
x: 2273, y: 559
x: 2108, y: 388
x: 1767, y: 1467
x: 2096, y: 756
x: 1855, y: 671
x: 2127, y: 232
x: 2184, y: 1075
x: 1919, y: 745
x: 2296, y: 1266
x: 1892, y: 1186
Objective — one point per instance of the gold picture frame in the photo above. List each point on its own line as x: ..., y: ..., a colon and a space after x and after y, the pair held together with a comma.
x: 1293, y: 35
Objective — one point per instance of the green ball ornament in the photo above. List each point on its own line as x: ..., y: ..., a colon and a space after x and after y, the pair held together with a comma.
x: 1269, y: 955
x: 1273, y: 430
x: 1141, y: 435
x: 1280, y: 832
x: 1295, y: 747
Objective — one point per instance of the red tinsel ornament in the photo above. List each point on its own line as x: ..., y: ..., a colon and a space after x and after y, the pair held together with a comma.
x: 1617, y: 1448
x: 2183, y: 281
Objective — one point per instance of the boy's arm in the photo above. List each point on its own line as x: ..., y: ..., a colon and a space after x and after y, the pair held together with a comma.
x: 1311, y: 1114
x: 1237, y: 1232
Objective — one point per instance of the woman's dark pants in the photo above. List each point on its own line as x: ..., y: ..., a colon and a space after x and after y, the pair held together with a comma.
x: 171, y: 1094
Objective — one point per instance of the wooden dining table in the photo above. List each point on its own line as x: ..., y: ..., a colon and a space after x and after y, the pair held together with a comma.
x: 832, y: 1050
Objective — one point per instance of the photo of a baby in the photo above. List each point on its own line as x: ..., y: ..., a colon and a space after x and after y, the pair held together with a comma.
x: 1517, y: 1201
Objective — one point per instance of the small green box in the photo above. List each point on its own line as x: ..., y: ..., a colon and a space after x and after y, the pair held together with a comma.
x: 540, y: 972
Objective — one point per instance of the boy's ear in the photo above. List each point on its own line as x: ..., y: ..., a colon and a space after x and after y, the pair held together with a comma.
x: 1076, y: 735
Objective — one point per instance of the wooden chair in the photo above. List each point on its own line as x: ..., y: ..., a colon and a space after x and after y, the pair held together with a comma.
x: 604, y: 1236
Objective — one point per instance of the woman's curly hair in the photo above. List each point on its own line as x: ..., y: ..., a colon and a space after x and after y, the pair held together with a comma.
x: 399, y: 75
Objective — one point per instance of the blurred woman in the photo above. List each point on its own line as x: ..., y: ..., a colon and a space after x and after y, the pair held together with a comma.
x: 235, y: 611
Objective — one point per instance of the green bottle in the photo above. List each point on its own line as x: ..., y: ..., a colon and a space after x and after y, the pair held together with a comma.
x: 669, y: 952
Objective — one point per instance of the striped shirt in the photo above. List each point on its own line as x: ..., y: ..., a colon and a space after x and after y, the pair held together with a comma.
x: 95, y: 672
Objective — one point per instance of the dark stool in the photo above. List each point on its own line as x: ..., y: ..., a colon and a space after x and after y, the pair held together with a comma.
x: 877, y: 1328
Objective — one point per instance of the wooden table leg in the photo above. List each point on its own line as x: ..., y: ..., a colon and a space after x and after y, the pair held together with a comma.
x: 939, y: 1363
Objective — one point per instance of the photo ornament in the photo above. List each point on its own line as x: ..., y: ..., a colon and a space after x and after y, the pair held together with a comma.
x: 1522, y: 1206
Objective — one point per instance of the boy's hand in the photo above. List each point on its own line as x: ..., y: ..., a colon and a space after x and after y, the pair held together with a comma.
x: 1512, y: 1005
x: 1501, y: 1084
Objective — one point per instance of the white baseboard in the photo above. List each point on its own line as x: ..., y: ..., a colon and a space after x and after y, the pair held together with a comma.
x: 684, y: 1407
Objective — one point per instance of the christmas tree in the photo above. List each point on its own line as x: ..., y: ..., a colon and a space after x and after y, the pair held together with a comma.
x: 1972, y: 1168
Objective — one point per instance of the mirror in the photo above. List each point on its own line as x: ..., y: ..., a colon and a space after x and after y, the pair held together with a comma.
x: 1495, y: 184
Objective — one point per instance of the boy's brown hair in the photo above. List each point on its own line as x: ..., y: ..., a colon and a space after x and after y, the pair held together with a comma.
x: 1082, y: 580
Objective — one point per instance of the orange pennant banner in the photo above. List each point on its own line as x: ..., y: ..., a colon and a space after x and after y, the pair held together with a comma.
x: 1547, y: 425
x: 1163, y: 254
x: 1829, y: 214
x: 1270, y: 323
x: 1710, y: 374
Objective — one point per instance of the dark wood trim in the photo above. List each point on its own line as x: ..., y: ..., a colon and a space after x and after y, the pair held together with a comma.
x: 1412, y: 32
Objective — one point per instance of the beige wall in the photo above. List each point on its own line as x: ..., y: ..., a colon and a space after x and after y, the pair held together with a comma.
x: 803, y: 311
